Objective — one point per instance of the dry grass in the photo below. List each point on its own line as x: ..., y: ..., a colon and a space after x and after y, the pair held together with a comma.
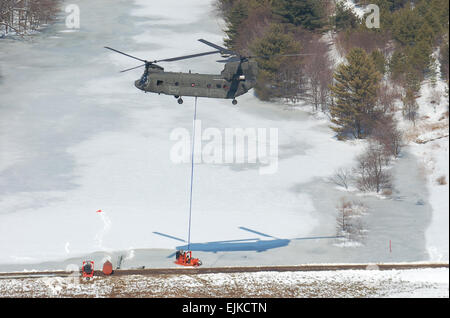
x: 442, y: 180
x: 413, y: 134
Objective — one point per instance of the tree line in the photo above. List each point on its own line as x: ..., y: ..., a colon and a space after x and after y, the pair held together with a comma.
x: 382, y: 66
x: 273, y: 27
x: 398, y: 54
x: 22, y: 16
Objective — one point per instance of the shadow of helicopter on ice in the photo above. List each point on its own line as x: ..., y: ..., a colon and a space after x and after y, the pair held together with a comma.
x: 251, y: 244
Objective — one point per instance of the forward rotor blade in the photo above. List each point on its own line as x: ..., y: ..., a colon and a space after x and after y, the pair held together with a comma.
x: 134, y: 57
x: 256, y: 232
x: 217, y: 47
x: 133, y: 68
x: 170, y: 236
x: 186, y: 57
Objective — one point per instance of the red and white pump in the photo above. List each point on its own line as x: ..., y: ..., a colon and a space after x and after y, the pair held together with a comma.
x: 185, y: 259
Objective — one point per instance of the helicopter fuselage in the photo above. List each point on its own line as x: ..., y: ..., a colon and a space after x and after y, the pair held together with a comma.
x: 190, y: 84
x: 235, y: 80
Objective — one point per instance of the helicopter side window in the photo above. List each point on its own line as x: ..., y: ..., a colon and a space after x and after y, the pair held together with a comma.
x: 159, y: 82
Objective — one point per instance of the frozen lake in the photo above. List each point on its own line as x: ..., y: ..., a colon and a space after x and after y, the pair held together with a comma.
x: 76, y: 136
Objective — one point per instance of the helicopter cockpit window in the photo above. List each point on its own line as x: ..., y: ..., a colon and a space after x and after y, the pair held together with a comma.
x: 159, y: 82
x: 144, y: 79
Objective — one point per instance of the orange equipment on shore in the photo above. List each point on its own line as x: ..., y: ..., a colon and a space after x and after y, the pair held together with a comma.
x: 185, y: 259
x: 107, y: 268
x: 88, y: 269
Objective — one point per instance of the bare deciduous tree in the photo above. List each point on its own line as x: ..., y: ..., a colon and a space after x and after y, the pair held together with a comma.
x: 435, y: 98
x: 387, y: 97
x: 22, y: 16
x: 342, y: 177
x: 386, y: 133
x: 371, y: 171
x: 318, y: 70
x: 254, y: 27
x: 349, y: 225
x: 410, y: 106
x: 367, y: 40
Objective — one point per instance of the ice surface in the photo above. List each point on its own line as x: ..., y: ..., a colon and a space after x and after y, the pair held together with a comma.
x: 77, y: 136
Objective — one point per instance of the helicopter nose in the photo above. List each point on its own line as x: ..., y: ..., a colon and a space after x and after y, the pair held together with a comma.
x: 137, y: 83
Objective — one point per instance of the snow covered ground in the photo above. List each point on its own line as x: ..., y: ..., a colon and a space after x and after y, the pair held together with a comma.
x: 85, y: 139
x: 358, y: 10
x: 76, y: 136
x: 429, y: 142
x: 329, y: 284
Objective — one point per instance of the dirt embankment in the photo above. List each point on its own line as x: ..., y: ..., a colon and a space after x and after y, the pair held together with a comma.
x: 359, y: 280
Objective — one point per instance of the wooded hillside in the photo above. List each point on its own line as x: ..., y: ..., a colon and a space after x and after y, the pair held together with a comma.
x: 22, y: 16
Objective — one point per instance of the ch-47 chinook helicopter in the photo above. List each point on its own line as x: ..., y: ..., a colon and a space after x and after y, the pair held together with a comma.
x: 237, y: 78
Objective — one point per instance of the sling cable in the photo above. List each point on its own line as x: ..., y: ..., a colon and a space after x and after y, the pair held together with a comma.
x: 185, y: 257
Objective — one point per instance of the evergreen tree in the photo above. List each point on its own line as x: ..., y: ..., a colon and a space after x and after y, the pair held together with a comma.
x: 397, y: 4
x: 308, y: 13
x: 237, y: 14
x: 274, y: 42
x: 420, y: 57
x: 406, y: 27
x: 444, y: 60
x: 345, y: 18
x: 397, y: 64
x: 412, y: 78
x: 379, y: 61
x: 355, y: 93
x: 435, y: 12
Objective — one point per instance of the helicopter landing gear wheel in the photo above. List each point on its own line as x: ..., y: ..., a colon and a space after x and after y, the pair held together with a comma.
x: 234, y: 102
x: 180, y: 101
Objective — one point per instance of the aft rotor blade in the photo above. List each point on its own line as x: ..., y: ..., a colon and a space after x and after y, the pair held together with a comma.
x: 133, y: 68
x: 267, y: 56
x: 220, y: 48
x: 186, y: 57
x: 231, y: 59
x: 295, y: 54
x: 117, y: 51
